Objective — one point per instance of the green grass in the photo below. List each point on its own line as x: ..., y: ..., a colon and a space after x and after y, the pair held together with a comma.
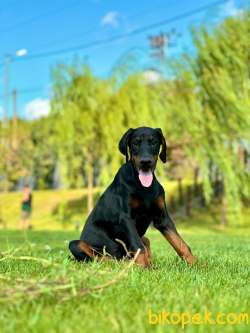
x: 41, y: 290
x: 218, y: 283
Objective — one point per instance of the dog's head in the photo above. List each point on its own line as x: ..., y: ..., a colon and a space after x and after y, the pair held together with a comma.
x: 144, y: 144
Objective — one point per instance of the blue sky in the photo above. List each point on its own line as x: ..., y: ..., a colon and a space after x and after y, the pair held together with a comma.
x: 45, y: 26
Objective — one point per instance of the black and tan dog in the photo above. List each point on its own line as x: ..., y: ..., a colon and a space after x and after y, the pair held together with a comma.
x: 135, y: 198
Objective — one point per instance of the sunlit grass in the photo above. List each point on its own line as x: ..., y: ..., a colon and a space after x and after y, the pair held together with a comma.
x: 43, y: 291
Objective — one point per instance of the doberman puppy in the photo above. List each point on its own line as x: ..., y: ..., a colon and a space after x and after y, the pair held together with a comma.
x: 135, y: 198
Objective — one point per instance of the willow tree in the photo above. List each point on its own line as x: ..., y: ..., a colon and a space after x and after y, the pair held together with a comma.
x: 134, y: 103
x: 209, y: 105
x: 16, y: 156
x: 79, y: 106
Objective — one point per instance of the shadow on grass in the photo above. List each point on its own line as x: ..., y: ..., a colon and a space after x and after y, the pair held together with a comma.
x: 66, y: 211
x: 210, y: 218
x: 205, y: 217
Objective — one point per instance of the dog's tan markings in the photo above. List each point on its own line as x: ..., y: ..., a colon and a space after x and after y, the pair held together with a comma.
x: 146, y: 243
x: 180, y: 246
x: 160, y: 202
x: 84, y: 247
x: 135, y: 160
x: 143, y: 260
x: 135, y: 202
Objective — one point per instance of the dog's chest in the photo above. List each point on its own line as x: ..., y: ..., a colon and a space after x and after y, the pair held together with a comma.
x: 145, y: 207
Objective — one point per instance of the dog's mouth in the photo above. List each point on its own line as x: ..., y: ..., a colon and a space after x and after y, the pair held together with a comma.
x: 146, y: 177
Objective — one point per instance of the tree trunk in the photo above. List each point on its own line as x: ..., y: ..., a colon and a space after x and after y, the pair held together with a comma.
x: 180, y: 191
x: 241, y: 154
x: 172, y: 205
x: 188, y: 202
x: 196, y: 185
x: 223, y: 221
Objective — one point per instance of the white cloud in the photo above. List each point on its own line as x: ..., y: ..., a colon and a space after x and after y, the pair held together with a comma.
x: 230, y: 9
x: 1, y: 111
x: 110, y: 18
x: 37, y: 108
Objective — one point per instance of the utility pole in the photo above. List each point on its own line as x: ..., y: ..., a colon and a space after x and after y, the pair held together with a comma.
x: 6, y: 80
x: 7, y: 60
x: 14, y: 119
x: 4, y: 143
x: 160, y: 42
x: 157, y: 45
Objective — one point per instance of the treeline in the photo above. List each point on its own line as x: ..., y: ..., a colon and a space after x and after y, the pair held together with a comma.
x: 203, y: 111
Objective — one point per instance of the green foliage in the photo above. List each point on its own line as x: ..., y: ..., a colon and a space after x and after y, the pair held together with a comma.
x: 16, y: 154
x: 79, y: 107
x: 203, y: 111
x: 210, y: 101
x: 44, y: 154
x: 27, y: 152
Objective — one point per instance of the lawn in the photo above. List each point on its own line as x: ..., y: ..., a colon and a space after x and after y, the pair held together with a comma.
x: 41, y: 290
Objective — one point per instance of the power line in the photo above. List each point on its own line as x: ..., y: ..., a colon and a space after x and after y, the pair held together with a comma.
x: 30, y: 90
x: 121, y: 36
x: 25, y: 91
x: 38, y: 17
x: 96, y: 28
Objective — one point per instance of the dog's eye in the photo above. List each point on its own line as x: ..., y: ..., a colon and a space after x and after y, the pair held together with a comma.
x: 136, y: 143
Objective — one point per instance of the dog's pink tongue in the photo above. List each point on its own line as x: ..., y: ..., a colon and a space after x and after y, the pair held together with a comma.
x: 146, y: 178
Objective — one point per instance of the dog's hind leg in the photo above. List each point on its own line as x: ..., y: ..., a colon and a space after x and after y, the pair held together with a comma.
x: 81, y: 250
x: 146, y: 243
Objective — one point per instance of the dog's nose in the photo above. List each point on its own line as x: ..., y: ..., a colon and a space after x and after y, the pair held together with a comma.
x: 146, y: 163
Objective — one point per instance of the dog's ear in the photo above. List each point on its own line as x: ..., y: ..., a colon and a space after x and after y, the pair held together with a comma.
x: 123, y: 144
x: 163, y: 153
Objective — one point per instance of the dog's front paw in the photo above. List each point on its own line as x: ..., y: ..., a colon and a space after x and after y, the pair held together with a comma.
x: 143, y: 260
x: 191, y: 260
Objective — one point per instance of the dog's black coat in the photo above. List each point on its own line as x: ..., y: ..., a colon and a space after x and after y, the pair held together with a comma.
x: 126, y: 208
